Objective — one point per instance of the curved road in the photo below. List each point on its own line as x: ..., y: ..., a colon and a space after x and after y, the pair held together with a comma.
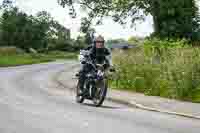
x: 31, y: 102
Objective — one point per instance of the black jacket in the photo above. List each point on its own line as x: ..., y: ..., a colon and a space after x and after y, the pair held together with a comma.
x: 98, y: 55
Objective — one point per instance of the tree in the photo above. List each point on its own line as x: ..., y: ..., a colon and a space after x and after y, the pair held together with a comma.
x: 176, y: 18
x: 19, y: 29
x: 59, y: 30
x: 59, y: 37
x: 80, y: 42
x: 43, y: 22
x: 89, y: 36
x: 12, y: 26
x: 172, y: 18
x: 40, y: 32
x: 7, y: 4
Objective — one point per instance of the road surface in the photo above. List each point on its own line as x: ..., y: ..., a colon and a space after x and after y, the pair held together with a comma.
x: 31, y: 102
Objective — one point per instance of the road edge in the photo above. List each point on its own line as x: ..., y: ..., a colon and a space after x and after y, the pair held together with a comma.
x: 140, y: 106
x: 132, y: 104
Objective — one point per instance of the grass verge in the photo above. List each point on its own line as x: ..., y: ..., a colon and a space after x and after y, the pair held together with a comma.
x: 26, y: 59
x: 167, y: 72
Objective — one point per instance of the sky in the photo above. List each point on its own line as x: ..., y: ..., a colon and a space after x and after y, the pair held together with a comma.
x: 109, y: 29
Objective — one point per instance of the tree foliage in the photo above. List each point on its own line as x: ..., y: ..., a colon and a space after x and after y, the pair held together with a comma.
x: 133, y: 40
x: 19, y: 29
x: 40, y: 32
x: 172, y: 18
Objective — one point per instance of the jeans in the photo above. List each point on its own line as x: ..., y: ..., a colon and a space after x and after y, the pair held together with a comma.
x: 84, y: 70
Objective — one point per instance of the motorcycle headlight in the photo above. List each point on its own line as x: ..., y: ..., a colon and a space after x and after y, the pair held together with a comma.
x: 81, y: 58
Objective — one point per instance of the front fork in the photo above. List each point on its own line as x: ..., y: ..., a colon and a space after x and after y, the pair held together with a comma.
x: 92, y: 89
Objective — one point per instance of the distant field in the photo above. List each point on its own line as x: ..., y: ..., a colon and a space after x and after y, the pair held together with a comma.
x: 25, y: 59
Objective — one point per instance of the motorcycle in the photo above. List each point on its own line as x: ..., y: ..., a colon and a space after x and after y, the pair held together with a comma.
x: 96, y: 83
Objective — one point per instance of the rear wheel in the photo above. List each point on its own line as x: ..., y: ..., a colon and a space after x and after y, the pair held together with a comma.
x: 79, y: 97
x: 100, y: 94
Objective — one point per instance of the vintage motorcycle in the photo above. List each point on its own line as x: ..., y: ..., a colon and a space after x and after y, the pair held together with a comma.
x: 96, y: 83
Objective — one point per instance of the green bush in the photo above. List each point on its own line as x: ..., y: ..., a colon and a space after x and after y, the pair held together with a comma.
x: 156, y: 42
x: 171, y: 72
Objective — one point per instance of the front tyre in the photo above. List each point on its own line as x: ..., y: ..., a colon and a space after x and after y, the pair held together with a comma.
x: 100, y: 94
x: 79, y: 97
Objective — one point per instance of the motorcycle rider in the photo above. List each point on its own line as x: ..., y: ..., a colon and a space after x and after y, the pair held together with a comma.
x: 98, y: 54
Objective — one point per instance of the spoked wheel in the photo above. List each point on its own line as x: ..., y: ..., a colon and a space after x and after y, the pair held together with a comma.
x: 79, y: 98
x: 100, y: 94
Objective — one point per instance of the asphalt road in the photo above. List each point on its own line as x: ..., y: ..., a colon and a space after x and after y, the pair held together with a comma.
x: 31, y: 102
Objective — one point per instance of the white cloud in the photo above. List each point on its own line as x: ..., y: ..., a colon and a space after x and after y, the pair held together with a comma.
x: 109, y: 29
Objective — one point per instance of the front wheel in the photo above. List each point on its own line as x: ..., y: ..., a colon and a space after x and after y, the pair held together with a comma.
x: 79, y: 98
x: 100, y: 93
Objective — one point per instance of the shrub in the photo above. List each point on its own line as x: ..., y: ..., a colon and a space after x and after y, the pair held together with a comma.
x: 171, y: 72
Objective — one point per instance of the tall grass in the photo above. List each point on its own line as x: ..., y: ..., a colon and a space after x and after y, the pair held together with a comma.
x: 161, y: 71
